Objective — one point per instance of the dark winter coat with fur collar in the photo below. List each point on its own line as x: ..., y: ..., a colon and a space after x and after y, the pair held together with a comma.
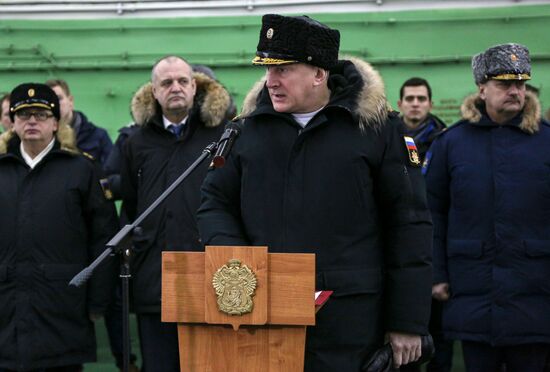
x: 153, y: 158
x: 489, y: 193
x: 55, y: 220
x: 344, y: 189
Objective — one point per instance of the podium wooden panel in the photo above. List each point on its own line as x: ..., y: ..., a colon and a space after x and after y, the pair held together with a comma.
x: 271, y: 338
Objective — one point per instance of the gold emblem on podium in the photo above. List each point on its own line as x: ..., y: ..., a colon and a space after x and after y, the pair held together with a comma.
x: 234, y: 285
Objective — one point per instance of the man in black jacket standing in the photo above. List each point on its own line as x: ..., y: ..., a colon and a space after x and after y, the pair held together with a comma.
x: 179, y: 113
x: 55, y: 220
x: 321, y: 166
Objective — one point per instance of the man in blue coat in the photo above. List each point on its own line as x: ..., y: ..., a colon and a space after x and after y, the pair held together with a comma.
x: 488, y: 184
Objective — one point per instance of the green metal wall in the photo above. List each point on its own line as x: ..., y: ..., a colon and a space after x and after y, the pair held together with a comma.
x: 105, y: 61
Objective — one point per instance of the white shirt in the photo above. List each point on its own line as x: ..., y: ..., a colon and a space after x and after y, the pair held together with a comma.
x: 167, y: 122
x: 303, y: 119
x: 32, y: 162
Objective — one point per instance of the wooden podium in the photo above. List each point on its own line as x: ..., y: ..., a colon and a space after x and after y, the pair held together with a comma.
x: 268, y: 339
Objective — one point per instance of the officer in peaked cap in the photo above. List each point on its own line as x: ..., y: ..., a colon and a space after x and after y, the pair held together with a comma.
x: 286, y: 40
x: 34, y: 95
x: 320, y: 118
x: 484, y: 173
x: 56, y: 220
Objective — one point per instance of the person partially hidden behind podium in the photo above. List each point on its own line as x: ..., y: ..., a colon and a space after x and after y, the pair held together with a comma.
x: 321, y: 166
x: 178, y: 114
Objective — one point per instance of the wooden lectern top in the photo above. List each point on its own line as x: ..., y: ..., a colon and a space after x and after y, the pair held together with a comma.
x: 284, y: 294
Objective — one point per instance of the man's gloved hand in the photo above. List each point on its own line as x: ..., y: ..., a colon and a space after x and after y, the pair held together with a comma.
x: 383, y: 359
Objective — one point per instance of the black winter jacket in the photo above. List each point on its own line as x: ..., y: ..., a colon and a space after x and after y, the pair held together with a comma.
x: 55, y: 220
x: 153, y: 159
x: 114, y: 161
x: 341, y: 188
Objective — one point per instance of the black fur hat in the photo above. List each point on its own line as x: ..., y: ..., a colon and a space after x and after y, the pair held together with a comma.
x: 285, y: 40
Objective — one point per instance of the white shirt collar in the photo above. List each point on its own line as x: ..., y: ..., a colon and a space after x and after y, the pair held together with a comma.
x: 303, y: 119
x: 32, y: 162
x: 167, y: 122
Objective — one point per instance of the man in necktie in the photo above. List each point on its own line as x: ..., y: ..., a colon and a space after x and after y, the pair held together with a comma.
x: 178, y: 114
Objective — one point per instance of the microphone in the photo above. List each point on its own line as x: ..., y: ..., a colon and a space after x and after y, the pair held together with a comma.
x: 225, y: 143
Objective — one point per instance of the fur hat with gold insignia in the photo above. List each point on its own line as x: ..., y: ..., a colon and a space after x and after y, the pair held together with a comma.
x: 502, y: 62
x: 33, y: 95
x: 285, y: 40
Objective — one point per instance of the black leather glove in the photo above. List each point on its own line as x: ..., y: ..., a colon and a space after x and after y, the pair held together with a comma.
x: 382, y: 359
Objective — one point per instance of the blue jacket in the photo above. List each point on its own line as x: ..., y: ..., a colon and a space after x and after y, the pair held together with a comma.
x: 489, y: 194
x: 91, y: 139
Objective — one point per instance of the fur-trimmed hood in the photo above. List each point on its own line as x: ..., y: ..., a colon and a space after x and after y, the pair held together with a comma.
x: 65, y: 136
x: 530, y: 123
x: 212, y: 98
x: 371, y: 106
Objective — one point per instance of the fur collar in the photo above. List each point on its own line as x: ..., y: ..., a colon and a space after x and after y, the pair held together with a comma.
x: 211, y: 96
x: 530, y: 122
x: 371, y: 106
x: 65, y: 136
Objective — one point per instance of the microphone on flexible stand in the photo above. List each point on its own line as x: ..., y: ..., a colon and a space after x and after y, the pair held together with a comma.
x: 225, y: 143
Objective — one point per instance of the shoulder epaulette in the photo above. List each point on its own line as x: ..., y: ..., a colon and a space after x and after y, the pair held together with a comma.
x: 89, y: 156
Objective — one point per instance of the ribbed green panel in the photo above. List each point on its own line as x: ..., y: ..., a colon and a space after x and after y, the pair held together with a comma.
x: 105, y: 61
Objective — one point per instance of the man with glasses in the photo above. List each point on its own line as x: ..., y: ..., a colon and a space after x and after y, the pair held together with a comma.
x: 55, y: 220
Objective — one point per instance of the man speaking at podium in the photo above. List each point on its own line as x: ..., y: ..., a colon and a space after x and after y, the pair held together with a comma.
x: 321, y: 166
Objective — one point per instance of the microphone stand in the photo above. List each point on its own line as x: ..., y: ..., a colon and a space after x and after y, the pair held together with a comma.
x: 121, y: 244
